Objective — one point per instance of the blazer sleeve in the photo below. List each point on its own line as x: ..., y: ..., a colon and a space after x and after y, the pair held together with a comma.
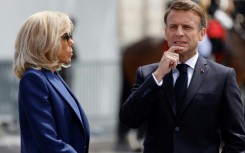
x: 34, y: 105
x: 135, y: 109
x: 232, y: 123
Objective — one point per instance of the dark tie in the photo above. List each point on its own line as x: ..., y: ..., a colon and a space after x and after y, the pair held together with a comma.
x: 181, y: 85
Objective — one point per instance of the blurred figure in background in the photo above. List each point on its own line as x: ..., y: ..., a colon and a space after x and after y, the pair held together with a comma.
x: 205, y: 48
x: 219, y: 24
x: 50, y: 116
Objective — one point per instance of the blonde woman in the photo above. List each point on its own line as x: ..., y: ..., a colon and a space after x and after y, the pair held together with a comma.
x: 51, y: 118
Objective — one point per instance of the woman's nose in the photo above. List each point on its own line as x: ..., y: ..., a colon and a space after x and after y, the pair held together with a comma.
x: 71, y: 42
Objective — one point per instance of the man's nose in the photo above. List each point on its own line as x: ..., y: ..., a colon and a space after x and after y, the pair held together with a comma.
x: 179, y: 31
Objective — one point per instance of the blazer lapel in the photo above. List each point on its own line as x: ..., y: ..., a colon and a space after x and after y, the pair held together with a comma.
x: 168, y: 88
x: 80, y: 112
x: 63, y: 92
x: 199, y: 73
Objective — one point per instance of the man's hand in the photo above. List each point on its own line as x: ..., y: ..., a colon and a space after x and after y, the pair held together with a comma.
x: 169, y: 61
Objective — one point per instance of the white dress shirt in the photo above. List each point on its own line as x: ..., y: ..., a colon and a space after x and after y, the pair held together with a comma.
x: 191, y: 63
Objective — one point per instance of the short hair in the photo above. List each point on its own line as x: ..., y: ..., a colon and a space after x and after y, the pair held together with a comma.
x: 38, y: 42
x: 187, y: 5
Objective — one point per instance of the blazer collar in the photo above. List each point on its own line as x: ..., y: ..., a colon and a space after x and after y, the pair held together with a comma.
x: 70, y: 99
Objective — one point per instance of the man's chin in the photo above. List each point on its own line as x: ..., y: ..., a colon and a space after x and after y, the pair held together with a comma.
x: 179, y: 51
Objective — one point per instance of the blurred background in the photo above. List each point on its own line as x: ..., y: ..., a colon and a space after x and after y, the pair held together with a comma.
x: 112, y: 38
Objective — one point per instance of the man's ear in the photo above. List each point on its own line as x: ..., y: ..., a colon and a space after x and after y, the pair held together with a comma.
x: 202, y: 34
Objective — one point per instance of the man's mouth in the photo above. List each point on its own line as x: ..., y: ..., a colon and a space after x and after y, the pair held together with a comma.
x: 179, y: 42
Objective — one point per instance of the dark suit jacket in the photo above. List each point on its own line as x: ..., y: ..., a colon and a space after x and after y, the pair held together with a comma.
x: 51, y: 119
x: 211, y: 111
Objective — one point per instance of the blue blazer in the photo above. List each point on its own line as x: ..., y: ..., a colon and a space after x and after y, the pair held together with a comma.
x: 211, y: 111
x: 51, y: 118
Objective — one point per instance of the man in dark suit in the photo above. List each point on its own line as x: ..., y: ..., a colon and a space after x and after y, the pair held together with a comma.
x: 196, y: 119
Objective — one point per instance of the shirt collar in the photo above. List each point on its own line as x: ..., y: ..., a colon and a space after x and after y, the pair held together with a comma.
x: 192, y: 61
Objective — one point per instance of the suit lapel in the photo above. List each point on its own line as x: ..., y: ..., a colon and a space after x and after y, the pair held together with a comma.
x: 199, y: 73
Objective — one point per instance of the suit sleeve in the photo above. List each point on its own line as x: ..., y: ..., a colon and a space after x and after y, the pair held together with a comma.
x: 36, y: 111
x: 232, y: 126
x: 137, y: 106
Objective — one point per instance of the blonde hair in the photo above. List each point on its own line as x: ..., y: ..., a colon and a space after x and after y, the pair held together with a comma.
x: 38, y: 42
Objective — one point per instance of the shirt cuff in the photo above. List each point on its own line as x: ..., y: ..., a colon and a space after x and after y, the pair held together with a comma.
x: 158, y: 83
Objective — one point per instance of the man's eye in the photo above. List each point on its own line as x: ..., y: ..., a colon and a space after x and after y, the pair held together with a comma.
x: 187, y: 27
x: 172, y: 27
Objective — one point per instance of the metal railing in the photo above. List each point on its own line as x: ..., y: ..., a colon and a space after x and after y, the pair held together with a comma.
x: 8, y: 93
x: 95, y: 84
